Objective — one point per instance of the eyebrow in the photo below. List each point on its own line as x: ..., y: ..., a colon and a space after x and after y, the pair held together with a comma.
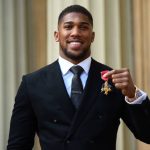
x: 71, y: 22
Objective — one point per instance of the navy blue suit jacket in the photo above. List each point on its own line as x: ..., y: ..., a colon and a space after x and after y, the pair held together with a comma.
x: 42, y: 106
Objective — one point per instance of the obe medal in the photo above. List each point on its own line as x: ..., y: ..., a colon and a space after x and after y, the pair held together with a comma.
x: 106, y: 87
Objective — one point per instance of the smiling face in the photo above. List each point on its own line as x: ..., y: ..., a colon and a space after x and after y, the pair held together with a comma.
x: 75, y: 35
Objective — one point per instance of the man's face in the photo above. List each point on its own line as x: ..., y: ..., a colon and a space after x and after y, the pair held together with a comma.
x: 75, y: 35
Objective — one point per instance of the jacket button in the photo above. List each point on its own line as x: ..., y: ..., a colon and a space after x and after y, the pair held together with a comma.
x: 68, y: 141
x: 54, y: 120
x: 100, y: 116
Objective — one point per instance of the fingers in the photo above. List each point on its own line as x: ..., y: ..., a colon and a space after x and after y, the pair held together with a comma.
x: 109, y: 74
x: 122, y: 80
x: 121, y: 77
x: 117, y: 73
x: 123, y: 85
x: 122, y: 73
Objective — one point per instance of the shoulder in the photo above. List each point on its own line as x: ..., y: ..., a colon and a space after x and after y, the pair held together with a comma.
x: 42, y: 73
x: 100, y: 66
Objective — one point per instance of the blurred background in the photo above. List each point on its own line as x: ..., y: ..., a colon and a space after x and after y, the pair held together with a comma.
x: 26, y: 43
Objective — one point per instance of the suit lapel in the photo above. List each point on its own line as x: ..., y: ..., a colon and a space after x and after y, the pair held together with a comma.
x: 55, y: 82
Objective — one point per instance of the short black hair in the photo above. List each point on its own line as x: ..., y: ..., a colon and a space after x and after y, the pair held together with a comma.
x: 78, y: 9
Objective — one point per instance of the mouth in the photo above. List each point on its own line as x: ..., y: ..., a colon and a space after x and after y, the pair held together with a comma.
x: 74, y: 44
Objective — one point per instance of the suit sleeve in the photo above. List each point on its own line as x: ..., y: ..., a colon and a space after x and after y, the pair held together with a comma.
x: 137, y: 118
x: 23, y: 122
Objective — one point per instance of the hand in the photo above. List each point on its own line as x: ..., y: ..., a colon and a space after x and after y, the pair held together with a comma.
x: 123, y: 81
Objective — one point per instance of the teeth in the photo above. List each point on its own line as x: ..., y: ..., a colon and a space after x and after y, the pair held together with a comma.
x: 75, y: 42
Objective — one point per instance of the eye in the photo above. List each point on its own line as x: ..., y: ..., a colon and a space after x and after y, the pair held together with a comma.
x: 68, y: 27
x: 84, y: 27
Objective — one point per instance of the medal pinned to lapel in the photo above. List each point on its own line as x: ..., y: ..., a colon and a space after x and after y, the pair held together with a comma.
x: 106, y: 87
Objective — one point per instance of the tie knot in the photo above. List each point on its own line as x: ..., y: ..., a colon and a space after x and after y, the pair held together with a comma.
x: 76, y: 70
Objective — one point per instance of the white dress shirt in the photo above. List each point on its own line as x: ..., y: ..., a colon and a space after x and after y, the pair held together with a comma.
x: 68, y: 75
x: 85, y: 64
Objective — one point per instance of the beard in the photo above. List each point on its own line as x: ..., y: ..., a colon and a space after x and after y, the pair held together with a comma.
x: 76, y: 57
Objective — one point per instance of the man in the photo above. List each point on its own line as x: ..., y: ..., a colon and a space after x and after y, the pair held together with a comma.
x: 45, y: 100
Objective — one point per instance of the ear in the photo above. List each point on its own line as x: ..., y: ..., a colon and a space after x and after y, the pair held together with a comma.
x: 93, y: 36
x: 56, y: 35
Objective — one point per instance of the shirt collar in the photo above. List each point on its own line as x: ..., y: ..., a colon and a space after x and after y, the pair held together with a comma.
x: 66, y: 65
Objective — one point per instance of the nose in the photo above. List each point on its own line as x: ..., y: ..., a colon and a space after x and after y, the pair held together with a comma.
x: 75, y: 32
